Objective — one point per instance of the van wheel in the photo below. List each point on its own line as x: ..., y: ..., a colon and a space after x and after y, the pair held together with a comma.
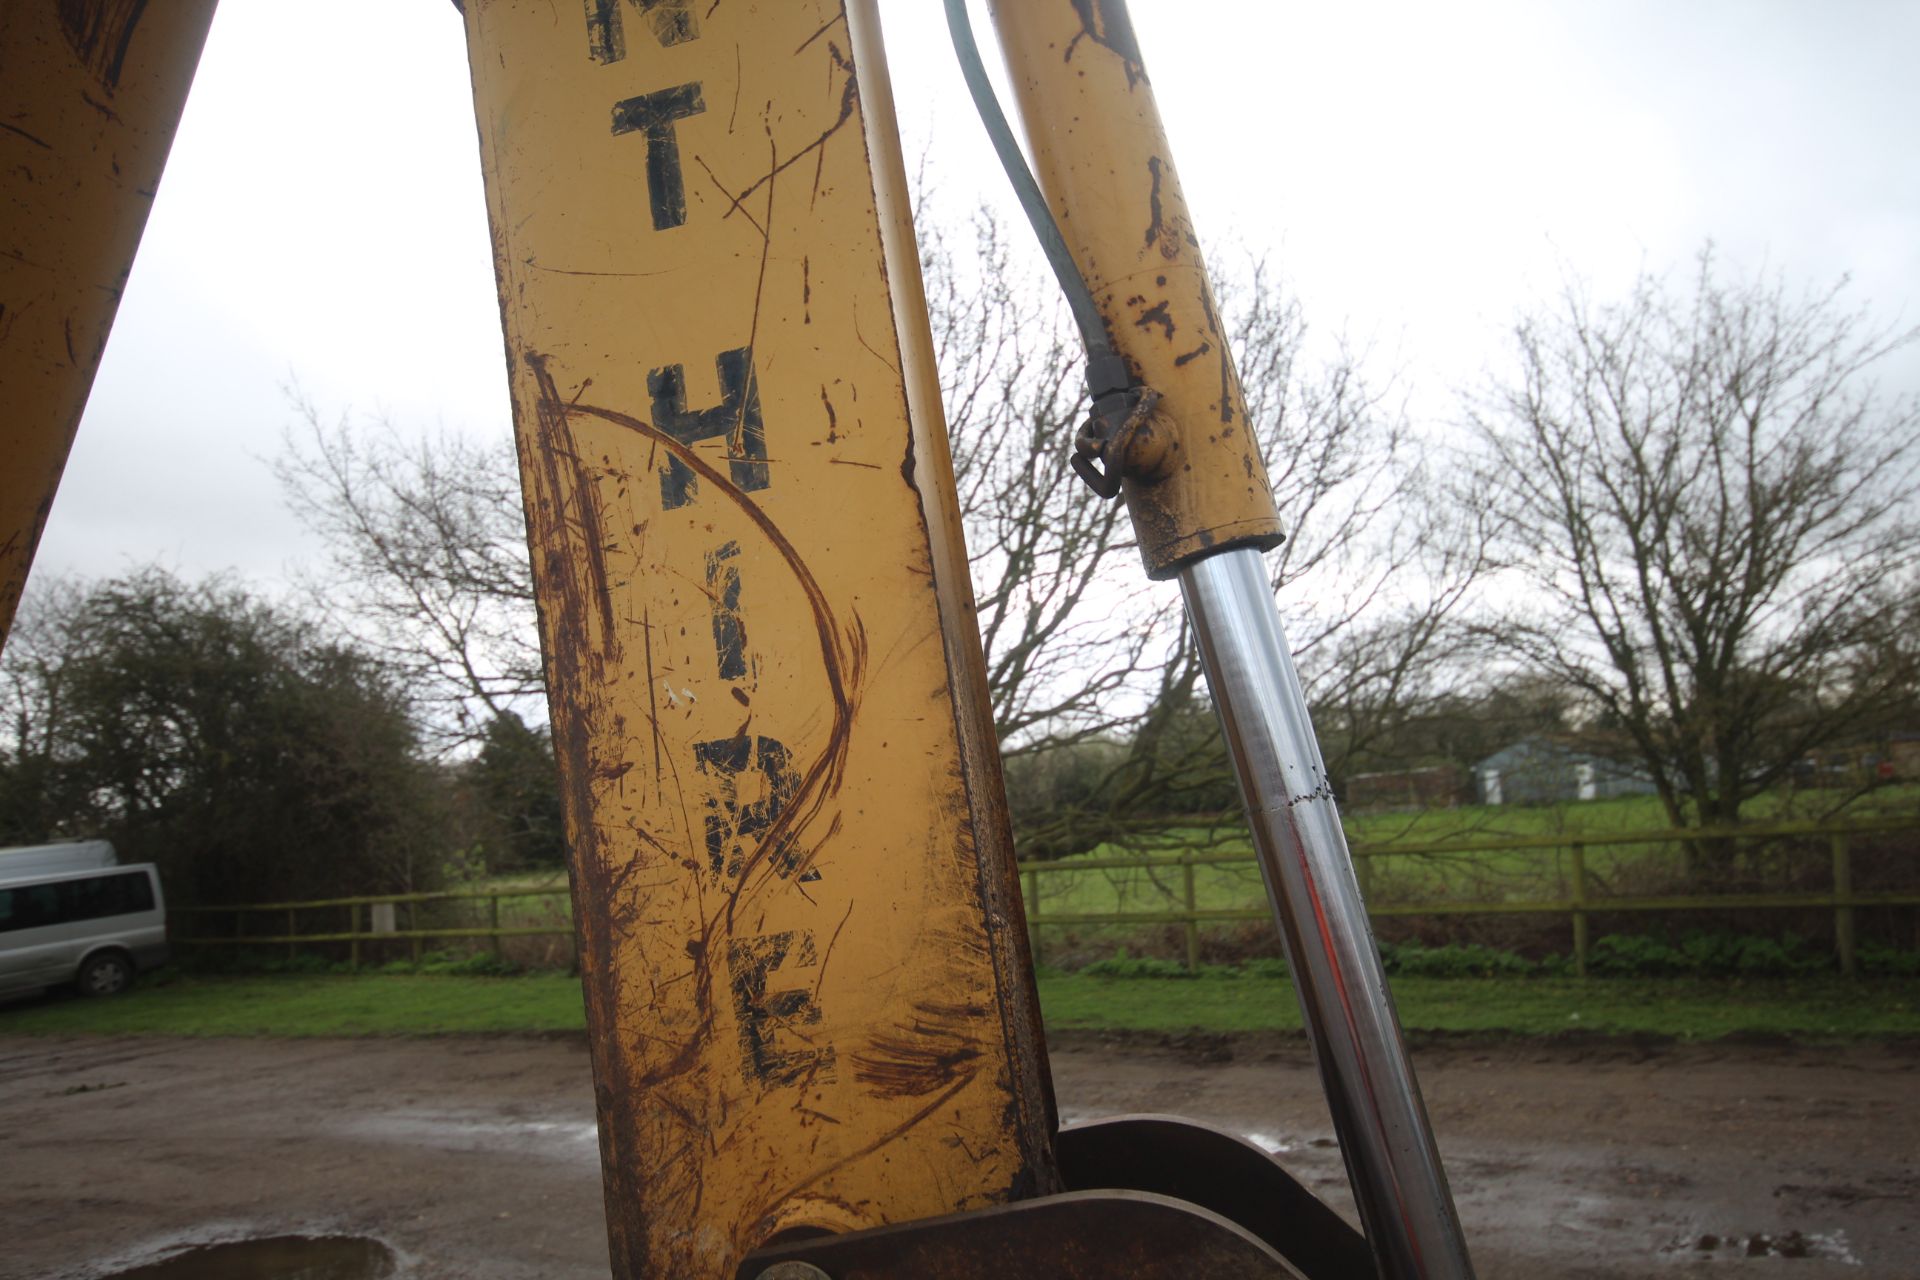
x: 107, y: 974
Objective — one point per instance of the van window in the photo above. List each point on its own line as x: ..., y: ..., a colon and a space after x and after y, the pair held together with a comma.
x: 32, y: 906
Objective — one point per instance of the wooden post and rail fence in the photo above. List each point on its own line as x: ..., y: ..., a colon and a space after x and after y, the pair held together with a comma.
x: 1576, y: 899
x: 361, y: 931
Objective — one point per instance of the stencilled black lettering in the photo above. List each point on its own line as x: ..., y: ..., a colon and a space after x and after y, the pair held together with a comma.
x: 733, y: 827
x: 729, y: 631
x: 736, y: 418
x: 751, y: 779
x: 769, y: 1017
x: 653, y: 115
x: 672, y: 22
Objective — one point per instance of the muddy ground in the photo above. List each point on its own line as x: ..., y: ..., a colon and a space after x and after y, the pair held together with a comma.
x: 475, y: 1156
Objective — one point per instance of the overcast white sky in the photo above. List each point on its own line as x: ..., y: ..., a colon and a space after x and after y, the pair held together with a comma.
x: 1419, y: 171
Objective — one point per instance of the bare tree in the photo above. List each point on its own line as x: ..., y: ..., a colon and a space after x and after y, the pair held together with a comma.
x: 428, y: 560
x: 1048, y: 559
x: 1710, y: 508
x: 1080, y: 657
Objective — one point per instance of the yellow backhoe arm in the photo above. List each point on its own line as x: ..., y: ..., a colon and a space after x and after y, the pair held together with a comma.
x: 816, y: 1041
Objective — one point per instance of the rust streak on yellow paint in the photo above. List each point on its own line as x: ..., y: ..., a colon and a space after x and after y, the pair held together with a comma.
x: 803, y: 950
x: 1102, y: 158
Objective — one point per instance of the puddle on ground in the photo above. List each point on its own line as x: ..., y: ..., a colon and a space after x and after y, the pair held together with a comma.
x: 273, y: 1258
x: 1830, y: 1245
x: 1268, y: 1143
x: 459, y: 1131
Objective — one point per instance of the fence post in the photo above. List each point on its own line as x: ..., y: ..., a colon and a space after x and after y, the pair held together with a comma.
x: 290, y: 933
x: 1193, y: 926
x: 493, y: 922
x: 1843, y: 910
x: 413, y: 931
x: 353, y: 943
x: 1033, y: 910
x: 1579, y: 896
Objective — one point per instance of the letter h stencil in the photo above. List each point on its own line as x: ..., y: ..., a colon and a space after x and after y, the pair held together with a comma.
x: 736, y: 419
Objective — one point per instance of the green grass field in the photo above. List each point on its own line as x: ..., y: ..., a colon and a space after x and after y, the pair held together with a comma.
x: 1228, y: 887
x: 424, y: 1004
x: 318, y: 1005
x: 1602, y: 817
x: 1067, y: 888
x: 311, y: 1004
x: 1471, y: 875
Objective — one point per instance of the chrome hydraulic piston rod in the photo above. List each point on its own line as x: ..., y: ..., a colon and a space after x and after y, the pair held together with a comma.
x: 1170, y: 433
x: 1385, y: 1139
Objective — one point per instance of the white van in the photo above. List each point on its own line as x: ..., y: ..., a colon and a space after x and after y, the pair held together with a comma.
x: 68, y: 855
x: 95, y: 929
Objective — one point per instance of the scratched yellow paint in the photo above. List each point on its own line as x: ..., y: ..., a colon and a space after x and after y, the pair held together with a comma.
x: 1101, y: 155
x: 90, y: 94
x: 804, y: 960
